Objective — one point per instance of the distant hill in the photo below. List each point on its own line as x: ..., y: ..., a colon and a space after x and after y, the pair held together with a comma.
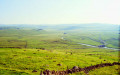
x: 91, y: 26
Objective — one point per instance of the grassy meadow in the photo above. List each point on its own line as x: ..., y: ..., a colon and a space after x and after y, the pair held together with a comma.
x: 27, y: 49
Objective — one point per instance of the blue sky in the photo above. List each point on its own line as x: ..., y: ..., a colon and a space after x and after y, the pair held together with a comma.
x: 59, y: 11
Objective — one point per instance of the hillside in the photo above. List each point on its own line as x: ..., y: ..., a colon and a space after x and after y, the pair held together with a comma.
x: 32, y: 50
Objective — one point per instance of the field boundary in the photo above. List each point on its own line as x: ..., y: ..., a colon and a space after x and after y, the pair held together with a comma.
x: 76, y: 69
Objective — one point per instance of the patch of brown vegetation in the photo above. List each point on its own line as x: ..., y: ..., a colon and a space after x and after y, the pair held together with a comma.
x: 54, y: 61
x: 34, y: 71
x: 14, y: 55
x: 34, y: 53
x: 28, y: 57
x: 41, y: 48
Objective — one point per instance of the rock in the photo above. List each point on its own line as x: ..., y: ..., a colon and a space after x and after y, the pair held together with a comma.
x: 75, y: 67
x: 59, y: 64
x: 69, y: 71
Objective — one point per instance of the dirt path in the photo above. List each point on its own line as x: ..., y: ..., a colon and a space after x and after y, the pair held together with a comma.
x: 78, y: 69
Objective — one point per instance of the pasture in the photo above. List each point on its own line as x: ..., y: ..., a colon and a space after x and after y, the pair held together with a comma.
x: 29, y: 51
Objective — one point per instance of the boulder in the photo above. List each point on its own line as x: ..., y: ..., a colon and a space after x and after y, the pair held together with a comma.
x: 75, y: 67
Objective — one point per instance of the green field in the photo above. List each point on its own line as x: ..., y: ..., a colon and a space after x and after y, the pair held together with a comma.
x: 27, y: 60
x: 24, y: 50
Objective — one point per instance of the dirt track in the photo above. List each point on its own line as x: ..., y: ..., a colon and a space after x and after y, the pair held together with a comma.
x: 78, y: 69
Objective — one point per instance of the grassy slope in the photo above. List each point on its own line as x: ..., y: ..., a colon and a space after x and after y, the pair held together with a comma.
x: 27, y: 60
x: 37, y: 39
x: 110, y: 37
x: 24, y: 61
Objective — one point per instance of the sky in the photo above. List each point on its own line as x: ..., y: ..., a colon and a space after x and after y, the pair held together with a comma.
x: 59, y: 11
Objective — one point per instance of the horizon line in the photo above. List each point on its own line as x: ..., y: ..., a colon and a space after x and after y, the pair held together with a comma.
x: 61, y: 24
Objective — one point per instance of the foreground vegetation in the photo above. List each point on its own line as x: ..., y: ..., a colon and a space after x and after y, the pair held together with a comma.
x: 25, y: 61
